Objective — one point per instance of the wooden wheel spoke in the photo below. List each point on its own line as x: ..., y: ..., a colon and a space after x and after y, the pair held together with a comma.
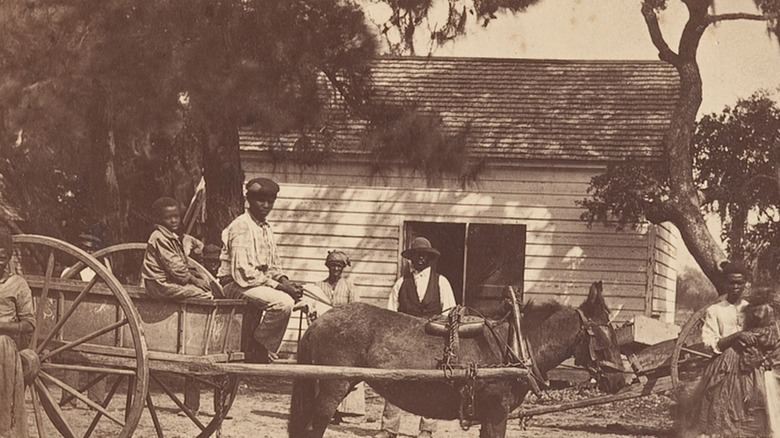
x: 44, y: 394
x: 84, y: 339
x: 81, y: 397
x: 38, y: 416
x: 105, y: 404
x: 153, y: 414
x: 51, y: 266
x: 178, y: 402
x: 67, y: 314
x: 65, y: 399
x: 44, y: 296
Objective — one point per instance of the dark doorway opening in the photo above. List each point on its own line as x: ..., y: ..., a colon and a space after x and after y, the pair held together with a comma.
x: 479, y: 260
x: 450, y: 240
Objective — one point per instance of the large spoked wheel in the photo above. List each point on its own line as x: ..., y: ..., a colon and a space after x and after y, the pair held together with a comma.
x: 170, y: 391
x: 690, y: 357
x: 166, y: 394
x: 94, y: 369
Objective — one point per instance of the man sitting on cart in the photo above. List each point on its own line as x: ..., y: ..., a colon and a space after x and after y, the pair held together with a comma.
x: 250, y: 268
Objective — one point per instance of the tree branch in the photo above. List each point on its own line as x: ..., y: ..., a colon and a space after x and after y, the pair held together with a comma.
x: 657, y: 37
x: 738, y: 16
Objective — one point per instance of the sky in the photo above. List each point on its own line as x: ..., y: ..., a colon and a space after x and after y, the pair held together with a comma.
x: 736, y: 58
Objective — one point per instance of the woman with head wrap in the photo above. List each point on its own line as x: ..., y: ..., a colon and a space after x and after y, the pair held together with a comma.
x: 339, y: 291
x: 16, y: 319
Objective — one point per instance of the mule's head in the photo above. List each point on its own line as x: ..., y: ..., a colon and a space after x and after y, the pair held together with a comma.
x: 597, y: 349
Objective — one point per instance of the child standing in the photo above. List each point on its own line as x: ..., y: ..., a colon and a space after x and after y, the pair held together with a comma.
x: 16, y: 319
x: 166, y: 271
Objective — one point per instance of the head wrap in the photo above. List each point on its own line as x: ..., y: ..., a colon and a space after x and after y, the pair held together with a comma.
x: 261, y: 188
x: 338, y: 256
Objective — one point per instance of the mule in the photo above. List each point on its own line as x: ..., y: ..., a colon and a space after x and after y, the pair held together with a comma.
x: 362, y: 335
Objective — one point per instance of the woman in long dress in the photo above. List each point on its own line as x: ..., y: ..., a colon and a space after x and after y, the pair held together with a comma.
x: 731, y: 398
x: 16, y: 319
x: 339, y: 290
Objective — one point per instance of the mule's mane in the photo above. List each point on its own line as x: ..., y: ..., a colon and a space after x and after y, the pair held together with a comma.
x: 535, y: 313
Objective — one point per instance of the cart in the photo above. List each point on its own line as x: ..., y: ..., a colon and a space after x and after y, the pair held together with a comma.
x: 142, y: 352
x: 99, y: 332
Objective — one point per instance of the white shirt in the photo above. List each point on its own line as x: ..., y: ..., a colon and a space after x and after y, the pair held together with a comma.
x: 446, y: 297
x: 722, y: 319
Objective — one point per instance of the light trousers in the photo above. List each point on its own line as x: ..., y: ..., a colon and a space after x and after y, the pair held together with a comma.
x: 276, y: 306
x: 391, y: 420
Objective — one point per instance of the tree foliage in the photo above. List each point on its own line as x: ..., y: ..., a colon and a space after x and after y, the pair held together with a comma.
x: 445, y: 20
x: 124, y: 95
x: 736, y: 154
x: 735, y: 157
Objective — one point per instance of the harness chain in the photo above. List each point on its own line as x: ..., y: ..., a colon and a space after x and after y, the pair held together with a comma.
x: 450, y: 357
x: 449, y: 362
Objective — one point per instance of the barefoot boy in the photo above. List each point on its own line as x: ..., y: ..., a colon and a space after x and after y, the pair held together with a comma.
x: 166, y: 272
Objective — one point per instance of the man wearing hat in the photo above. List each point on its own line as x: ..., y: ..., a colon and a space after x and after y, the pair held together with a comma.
x: 250, y: 268
x: 422, y: 292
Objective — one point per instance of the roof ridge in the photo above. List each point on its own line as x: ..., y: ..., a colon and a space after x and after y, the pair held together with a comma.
x: 488, y: 59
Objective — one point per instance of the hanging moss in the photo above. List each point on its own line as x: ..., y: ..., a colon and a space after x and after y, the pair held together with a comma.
x: 404, y: 135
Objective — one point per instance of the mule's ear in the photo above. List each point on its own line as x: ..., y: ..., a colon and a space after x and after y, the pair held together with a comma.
x: 595, y: 301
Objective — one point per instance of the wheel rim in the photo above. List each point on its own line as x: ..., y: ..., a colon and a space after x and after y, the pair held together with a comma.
x: 81, y: 327
x: 165, y: 392
x: 687, y: 348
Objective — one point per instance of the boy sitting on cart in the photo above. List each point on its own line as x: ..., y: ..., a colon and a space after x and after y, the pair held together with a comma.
x: 166, y: 272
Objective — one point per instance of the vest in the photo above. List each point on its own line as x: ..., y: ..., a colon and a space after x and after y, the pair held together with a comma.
x: 409, y: 303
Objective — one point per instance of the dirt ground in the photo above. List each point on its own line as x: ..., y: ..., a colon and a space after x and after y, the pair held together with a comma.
x: 260, y: 411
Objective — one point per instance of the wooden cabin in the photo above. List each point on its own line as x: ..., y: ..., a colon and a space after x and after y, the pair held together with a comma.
x: 540, y: 129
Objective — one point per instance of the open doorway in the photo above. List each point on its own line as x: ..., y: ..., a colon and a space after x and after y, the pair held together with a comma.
x: 479, y: 260
x: 450, y: 240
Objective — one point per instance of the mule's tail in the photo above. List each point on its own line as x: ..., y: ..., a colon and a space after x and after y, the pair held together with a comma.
x: 303, y: 394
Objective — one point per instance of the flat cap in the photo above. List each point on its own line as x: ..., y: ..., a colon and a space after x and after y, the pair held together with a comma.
x: 261, y: 187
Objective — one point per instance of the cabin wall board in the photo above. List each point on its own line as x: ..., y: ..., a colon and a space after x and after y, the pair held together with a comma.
x: 344, y: 206
x: 665, y: 273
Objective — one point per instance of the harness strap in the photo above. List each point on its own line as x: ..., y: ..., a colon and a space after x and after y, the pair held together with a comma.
x: 522, y: 350
x: 587, y: 327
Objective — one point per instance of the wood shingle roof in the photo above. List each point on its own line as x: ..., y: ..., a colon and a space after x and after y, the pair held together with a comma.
x: 522, y: 109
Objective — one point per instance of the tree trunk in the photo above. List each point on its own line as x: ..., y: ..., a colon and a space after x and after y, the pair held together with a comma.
x: 684, y: 207
x: 223, y: 176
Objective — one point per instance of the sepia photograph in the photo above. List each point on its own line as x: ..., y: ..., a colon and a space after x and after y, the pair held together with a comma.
x: 389, y: 218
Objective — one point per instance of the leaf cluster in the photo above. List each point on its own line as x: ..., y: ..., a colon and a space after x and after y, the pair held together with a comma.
x: 735, y: 155
x: 628, y: 192
x: 409, y: 15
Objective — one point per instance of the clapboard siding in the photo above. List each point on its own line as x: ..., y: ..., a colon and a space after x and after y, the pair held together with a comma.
x: 665, y: 273
x: 343, y: 206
